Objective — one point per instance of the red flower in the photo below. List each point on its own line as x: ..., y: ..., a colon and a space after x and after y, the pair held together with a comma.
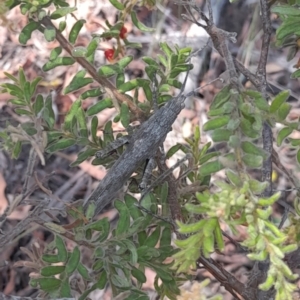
x: 109, y: 54
x: 123, y: 33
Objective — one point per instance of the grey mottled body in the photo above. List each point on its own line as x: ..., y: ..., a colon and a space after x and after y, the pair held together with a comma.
x: 142, y: 145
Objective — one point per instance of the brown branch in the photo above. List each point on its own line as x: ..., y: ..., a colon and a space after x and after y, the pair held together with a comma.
x: 174, y: 205
x: 63, y: 232
x: 231, y: 284
x: 261, y: 83
x: 260, y: 269
x: 110, y: 88
x: 6, y: 239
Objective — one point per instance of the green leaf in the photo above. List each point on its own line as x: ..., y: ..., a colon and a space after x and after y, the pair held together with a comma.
x: 173, y: 82
x: 109, y: 70
x: 17, y: 102
x: 61, y: 249
x: 298, y: 156
x: 108, y: 137
x: 234, y: 178
x: 278, y: 101
x: 91, y: 48
x: 150, y: 61
x: 250, y: 148
x: 11, y: 77
x: 61, y: 144
x: 91, y: 93
x: 102, y: 280
x: 166, y: 237
x: 221, y: 135
x: 252, y: 161
x: 120, y: 79
x: 262, y: 104
x: 151, y: 72
x: 216, y: 123
x: 121, y: 282
x: 138, y: 24
x: 149, y: 202
x: 73, y: 261
x: 59, y: 61
x: 26, y: 32
x: 210, y: 168
x: 128, y: 86
x: 248, y: 130
x: 124, y: 218
x: 125, y: 115
x: 99, y: 106
x: 22, y: 77
x: 48, y: 113
x: 82, y: 156
x: 94, y: 127
x: 167, y: 50
x: 133, y: 45
x: 21, y: 111
x: 34, y: 84
x: 29, y: 128
x: 78, y: 82
x: 216, y: 112
x: 99, y: 252
x: 219, y: 238
x: 49, y: 284
x: 163, y: 60
x: 295, y: 75
x: 153, y: 239
x: 283, y: 133
x: 79, y: 51
x: 287, y: 28
x: 221, y: 98
x: 61, y: 12
x: 27, y: 93
x: 52, y: 270
x: 286, y: 10
x: 18, y: 92
x: 180, y: 69
x: 283, y: 111
x: 133, y: 252
x: 206, y: 157
x: 257, y: 186
x: 208, y: 245
x: 87, y: 292
x: 138, y: 275
x: 50, y: 258
x: 117, y: 4
x: 173, y: 61
x: 163, y: 274
x: 75, y: 31
x: 234, y: 142
x: 192, y: 227
x: 62, y: 26
x: 100, y: 225
x: 173, y: 150
x: 50, y: 34
x: 133, y: 209
x: 17, y: 150
x: 65, y: 289
x: 268, y: 283
x: 124, y: 62
x: 82, y: 270
x: 71, y: 114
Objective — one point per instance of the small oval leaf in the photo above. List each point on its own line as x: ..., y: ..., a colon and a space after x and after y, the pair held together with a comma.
x: 99, y: 106
x: 61, y: 144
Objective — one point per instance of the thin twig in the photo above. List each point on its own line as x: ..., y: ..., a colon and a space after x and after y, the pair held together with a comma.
x: 109, y: 87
